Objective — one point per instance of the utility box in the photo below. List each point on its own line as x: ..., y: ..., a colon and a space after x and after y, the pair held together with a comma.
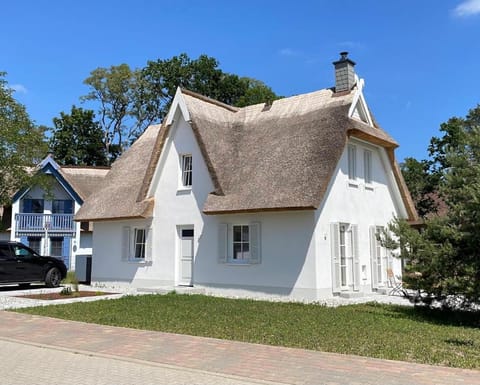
x: 83, y: 268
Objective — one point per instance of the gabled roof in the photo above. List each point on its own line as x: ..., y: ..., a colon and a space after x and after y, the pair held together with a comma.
x: 118, y: 194
x: 260, y: 158
x: 84, y: 180
x: 78, y: 181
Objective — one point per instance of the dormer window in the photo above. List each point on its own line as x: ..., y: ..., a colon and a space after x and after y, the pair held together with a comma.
x: 186, y: 164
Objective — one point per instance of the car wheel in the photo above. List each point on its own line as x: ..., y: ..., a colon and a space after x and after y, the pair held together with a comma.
x: 53, y: 277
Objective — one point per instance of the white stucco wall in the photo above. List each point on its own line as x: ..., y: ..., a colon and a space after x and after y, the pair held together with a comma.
x: 295, y: 246
x: 354, y: 203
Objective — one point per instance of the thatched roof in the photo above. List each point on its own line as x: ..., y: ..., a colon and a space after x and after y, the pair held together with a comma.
x: 260, y: 158
x: 117, y: 195
x: 84, y: 180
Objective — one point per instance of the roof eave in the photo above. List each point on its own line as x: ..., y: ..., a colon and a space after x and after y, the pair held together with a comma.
x: 258, y: 210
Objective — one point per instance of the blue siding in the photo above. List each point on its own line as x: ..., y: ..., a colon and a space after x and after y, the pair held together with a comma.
x: 66, y: 251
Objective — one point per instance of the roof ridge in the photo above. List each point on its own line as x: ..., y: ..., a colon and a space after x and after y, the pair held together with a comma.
x: 210, y: 100
x: 72, y: 166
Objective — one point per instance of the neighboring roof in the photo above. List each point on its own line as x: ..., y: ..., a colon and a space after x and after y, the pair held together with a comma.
x: 84, y: 180
x: 79, y: 181
x: 116, y: 197
x: 260, y: 158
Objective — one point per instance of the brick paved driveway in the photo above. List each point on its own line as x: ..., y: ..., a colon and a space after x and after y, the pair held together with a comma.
x: 251, y: 361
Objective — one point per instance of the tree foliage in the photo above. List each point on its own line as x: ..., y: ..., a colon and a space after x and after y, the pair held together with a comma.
x: 422, y: 184
x: 128, y: 101
x: 22, y: 144
x: 444, y: 257
x: 77, y: 139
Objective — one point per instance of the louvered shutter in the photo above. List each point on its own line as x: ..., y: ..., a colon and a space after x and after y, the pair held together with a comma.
x: 148, y: 245
x: 222, y: 243
x: 356, y: 258
x: 255, y: 243
x: 373, y: 256
x: 126, y: 243
x: 335, y: 246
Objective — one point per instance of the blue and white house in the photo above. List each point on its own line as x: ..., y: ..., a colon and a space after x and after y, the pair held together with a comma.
x: 43, y: 220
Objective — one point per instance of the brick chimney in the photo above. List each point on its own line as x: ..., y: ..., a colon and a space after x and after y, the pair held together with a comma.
x: 344, y: 73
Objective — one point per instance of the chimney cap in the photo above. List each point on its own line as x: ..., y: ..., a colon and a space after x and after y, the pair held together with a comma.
x: 344, y: 58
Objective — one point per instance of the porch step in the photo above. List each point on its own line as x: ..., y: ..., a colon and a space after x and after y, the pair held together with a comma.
x: 351, y: 294
x: 169, y: 289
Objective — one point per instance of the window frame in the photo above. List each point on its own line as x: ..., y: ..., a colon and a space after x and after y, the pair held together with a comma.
x: 242, y: 242
x: 31, y: 207
x: 129, y: 244
x: 226, y: 244
x: 186, y: 171
x: 60, y: 206
x: 56, y: 239
x: 367, y: 167
x: 352, y: 163
x: 142, y: 244
x: 32, y: 243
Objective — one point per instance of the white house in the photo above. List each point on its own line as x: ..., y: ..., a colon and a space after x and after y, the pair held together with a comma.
x: 279, y: 199
x: 42, y: 217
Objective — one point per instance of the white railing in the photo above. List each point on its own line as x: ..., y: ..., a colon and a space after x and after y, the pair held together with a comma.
x: 44, y: 222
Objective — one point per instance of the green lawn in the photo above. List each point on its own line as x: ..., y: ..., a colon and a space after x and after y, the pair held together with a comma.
x: 392, y: 332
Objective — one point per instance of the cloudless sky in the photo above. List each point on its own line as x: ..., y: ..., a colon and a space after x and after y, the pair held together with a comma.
x: 420, y: 58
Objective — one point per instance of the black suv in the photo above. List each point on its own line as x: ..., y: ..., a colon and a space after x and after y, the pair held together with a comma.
x: 20, y: 264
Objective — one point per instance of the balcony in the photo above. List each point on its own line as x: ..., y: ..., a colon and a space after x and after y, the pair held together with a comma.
x: 40, y: 224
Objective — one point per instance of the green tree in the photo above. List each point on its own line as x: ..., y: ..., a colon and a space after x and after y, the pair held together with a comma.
x: 116, y: 91
x: 22, y: 144
x: 128, y: 101
x: 444, y: 258
x: 77, y: 139
x: 422, y: 184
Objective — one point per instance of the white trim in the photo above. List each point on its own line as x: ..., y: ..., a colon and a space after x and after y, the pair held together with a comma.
x: 178, y: 102
x: 359, y: 100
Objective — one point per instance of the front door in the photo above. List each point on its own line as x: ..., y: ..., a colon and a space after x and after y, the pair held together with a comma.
x: 186, y: 256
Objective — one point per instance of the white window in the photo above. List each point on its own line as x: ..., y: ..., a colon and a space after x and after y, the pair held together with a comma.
x: 379, y: 257
x: 136, y: 244
x: 186, y: 164
x: 139, y: 243
x: 345, y: 257
x: 367, y: 166
x: 239, y: 243
x: 352, y: 162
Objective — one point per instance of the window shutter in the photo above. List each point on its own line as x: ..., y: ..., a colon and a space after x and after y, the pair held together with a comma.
x: 335, y: 245
x: 126, y: 243
x: 148, y: 245
x: 255, y: 242
x: 222, y: 243
x: 356, y: 258
x: 373, y: 256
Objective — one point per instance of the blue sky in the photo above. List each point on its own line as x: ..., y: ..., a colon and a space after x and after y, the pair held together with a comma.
x: 420, y: 58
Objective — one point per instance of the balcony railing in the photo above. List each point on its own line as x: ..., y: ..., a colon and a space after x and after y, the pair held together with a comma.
x: 41, y: 223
